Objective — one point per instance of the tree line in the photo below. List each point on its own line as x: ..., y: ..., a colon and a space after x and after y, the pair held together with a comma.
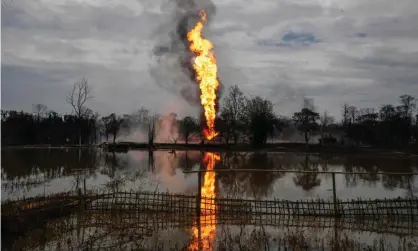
x: 241, y: 119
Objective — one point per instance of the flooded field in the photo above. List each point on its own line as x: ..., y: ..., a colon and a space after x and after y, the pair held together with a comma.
x: 38, y: 172
x: 31, y: 172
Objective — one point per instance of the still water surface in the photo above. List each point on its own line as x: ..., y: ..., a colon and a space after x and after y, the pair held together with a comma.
x: 31, y: 172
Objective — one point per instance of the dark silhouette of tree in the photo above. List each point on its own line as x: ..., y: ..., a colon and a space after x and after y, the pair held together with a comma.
x: 306, y: 122
x: 188, y: 126
x: 232, y: 112
x: 242, y: 119
x: 151, y: 121
x: 40, y: 110
x: 325, y: 120
x: 20, y: 128
x: 259, y: 119
x: 416, y: 129
x: 112, y: 124
x: 389, y: 123
x: 365, y: 127
x: 77, y: 97
x: 307, y: 180
x: 391, y: 126
x: 221, y: 126
x: 106, y: 127
x: 408, y: 104
x: 345, y: 114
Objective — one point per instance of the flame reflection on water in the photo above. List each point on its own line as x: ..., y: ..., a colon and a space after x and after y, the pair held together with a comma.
x: 203, y: 232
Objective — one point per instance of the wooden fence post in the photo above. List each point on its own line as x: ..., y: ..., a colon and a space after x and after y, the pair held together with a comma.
x: 198, y: 209
x: 80, y: 199
x: 85, y: 189
x: 334, y: 195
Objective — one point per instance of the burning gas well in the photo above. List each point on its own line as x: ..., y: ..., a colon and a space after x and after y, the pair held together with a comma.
x: 206, y: 75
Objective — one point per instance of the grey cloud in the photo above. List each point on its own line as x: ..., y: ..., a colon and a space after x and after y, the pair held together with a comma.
x: 389, y: 67
x: 367, y: 55
x: 79, y: 20
x: 24, y: 86
x: 172, y: 67
x: 113, y: 90
x: 292, y: 39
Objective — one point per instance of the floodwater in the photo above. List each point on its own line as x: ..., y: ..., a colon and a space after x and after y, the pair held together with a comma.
x: 34, y: 172
x: 31, y: 172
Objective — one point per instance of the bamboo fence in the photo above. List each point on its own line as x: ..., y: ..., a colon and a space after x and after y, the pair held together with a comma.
x: 189, y: 204
x: 193, y: 205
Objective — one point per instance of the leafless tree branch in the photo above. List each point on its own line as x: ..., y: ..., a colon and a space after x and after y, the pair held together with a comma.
x: 78, y: 96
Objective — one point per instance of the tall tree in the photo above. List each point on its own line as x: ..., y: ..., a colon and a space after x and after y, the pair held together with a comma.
x: 188, y: 126
x: 350, y: 114
x: 77, y: 97
x: 113, y: 125
x: 232, y: 111
x: 325, y: 121
x: 39, y: 110
x: 306, y: 122
x: 345, y: 114
x: 366, y: 126
x: 408, y: 104
x: 151, y: 122
x: 416, y: 129
x: 260, y: 120
x: 389, y: 125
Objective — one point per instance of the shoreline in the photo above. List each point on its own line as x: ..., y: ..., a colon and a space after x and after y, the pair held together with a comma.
x: 272, y: 147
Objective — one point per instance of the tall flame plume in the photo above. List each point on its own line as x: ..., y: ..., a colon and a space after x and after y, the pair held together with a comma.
x: 207, y: 218
x: 206, y: 74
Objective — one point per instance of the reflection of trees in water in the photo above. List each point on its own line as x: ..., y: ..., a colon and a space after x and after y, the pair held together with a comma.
x: 26, y: 169
x: 115, y: 165
x: 188, y: 159
x: 121, y: 231
x: 25, y: 184
x: 397, y: 181
x: 114, y: 161
x: 20, y: 163
x: 151, y: 162
x: 307, y: 180
x: 379, y: 164
x: 251, y: 183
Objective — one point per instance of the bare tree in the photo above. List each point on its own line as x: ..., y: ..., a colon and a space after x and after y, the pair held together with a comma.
x: 345, y: 114
x: 39, y: 110
x: 325, y: 121
x: 353, y: 113
x: 113, y: 125
x: 77, y: 97
x: 232, y: 111
x: 408, y: 104
x: 152, y: 122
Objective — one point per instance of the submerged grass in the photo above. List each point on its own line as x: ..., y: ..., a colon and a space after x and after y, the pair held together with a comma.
x: 99, y: 231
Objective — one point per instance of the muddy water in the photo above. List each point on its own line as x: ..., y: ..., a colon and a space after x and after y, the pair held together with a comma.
x: 31, y: 172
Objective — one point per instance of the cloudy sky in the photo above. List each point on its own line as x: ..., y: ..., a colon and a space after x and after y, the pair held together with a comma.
x: 363, y: 52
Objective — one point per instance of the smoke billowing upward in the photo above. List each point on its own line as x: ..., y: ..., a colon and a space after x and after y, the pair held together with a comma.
x: 173, y: 66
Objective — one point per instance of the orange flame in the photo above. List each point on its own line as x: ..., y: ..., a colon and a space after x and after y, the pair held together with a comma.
x: 206, y: 74
x: 207, y: 208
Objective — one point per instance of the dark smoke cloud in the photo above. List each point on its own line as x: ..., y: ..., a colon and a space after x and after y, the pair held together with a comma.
x: 172, y: 66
